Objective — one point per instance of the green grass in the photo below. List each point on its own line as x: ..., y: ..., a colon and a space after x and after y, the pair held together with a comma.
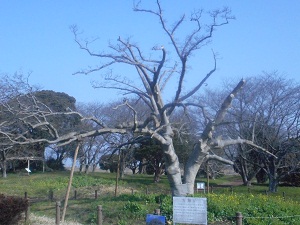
x: 223, y: 185
x: 131, y: 204
x: 138, y: 196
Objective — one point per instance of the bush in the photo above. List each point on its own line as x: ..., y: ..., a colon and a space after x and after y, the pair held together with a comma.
x: 55, y: 164
x: 292, y: 179
x: 166, y: 207
x: 261, y: 177
x: 11, y: 209
x: 109, y: 162
x: 136, y: 205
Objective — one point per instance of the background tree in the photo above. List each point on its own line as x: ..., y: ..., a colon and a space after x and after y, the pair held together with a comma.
x: 90, y: 153
x: 11, y: 88
x: 117, y: 114
x: 109, y: 162
x: 50, y: 100
x: 149, y: 154
x: 58, y: 154
x: 292, y: 172
x: 267, y: 111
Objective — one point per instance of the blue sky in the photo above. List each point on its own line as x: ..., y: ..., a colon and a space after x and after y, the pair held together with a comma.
x: 35, y: 38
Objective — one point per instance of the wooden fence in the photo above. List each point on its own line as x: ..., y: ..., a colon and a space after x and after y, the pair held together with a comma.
x: 238, y: 217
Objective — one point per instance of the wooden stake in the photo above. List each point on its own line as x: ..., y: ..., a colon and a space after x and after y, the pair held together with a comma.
x: 28, y: 165
x: 207, y: 177
x: 70, y: 183
x: 117, y: 176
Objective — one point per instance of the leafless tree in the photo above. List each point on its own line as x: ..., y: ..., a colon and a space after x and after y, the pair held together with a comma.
x: 267, y: 111
x: 154, y: 74
x: 90, y: 152
x: 93, y: 147
x: 11, y: 89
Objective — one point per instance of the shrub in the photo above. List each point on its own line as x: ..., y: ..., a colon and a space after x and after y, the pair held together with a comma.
x: 132, y: 207
x: 136, y: 205
x: 292, y: 179
x: 134, y: 210
x: 55, y: 164
x: 11, y: 209
x: 166, y: 207
x: 109, y: 162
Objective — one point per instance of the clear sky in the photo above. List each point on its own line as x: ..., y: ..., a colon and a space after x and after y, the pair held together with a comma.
x: 35, y: 38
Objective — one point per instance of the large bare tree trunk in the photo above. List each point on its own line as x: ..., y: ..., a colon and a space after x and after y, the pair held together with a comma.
x: 173, y: 171
x: 192, y: 167
x: 178, y: 186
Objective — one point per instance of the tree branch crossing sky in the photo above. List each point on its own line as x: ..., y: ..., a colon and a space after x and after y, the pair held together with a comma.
x: 35, y: 38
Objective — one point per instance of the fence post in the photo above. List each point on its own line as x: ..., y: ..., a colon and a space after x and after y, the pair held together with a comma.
x: 239, y: 218
x: 283, y: 195
x: 27, y: 211
x: 51, y: 194
x: 57, y: 219
x: 96, y: 194
x: 75, y: 194
x: 99, y: 213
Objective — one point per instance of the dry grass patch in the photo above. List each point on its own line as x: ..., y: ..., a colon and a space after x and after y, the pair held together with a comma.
x: 38, y: 220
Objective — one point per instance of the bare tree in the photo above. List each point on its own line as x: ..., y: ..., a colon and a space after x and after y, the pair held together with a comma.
x: 113, y: 115
x: 267, y: 111
x: 11, y: 88
x: 90, y: 153
x: 154, y: 74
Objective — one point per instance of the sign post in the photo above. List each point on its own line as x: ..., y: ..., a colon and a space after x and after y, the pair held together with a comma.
x: 201, y: 186
x: 190, y: 210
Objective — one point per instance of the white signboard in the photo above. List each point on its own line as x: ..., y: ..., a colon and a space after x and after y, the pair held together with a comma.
x: 189, y: 210
x: 201, y: 186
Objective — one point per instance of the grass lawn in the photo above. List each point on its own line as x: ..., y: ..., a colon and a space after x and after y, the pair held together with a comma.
x: 137, y: 194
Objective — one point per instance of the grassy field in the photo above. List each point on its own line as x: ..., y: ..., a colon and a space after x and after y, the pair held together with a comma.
x: 137, y: 194
x: 38, y: 187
